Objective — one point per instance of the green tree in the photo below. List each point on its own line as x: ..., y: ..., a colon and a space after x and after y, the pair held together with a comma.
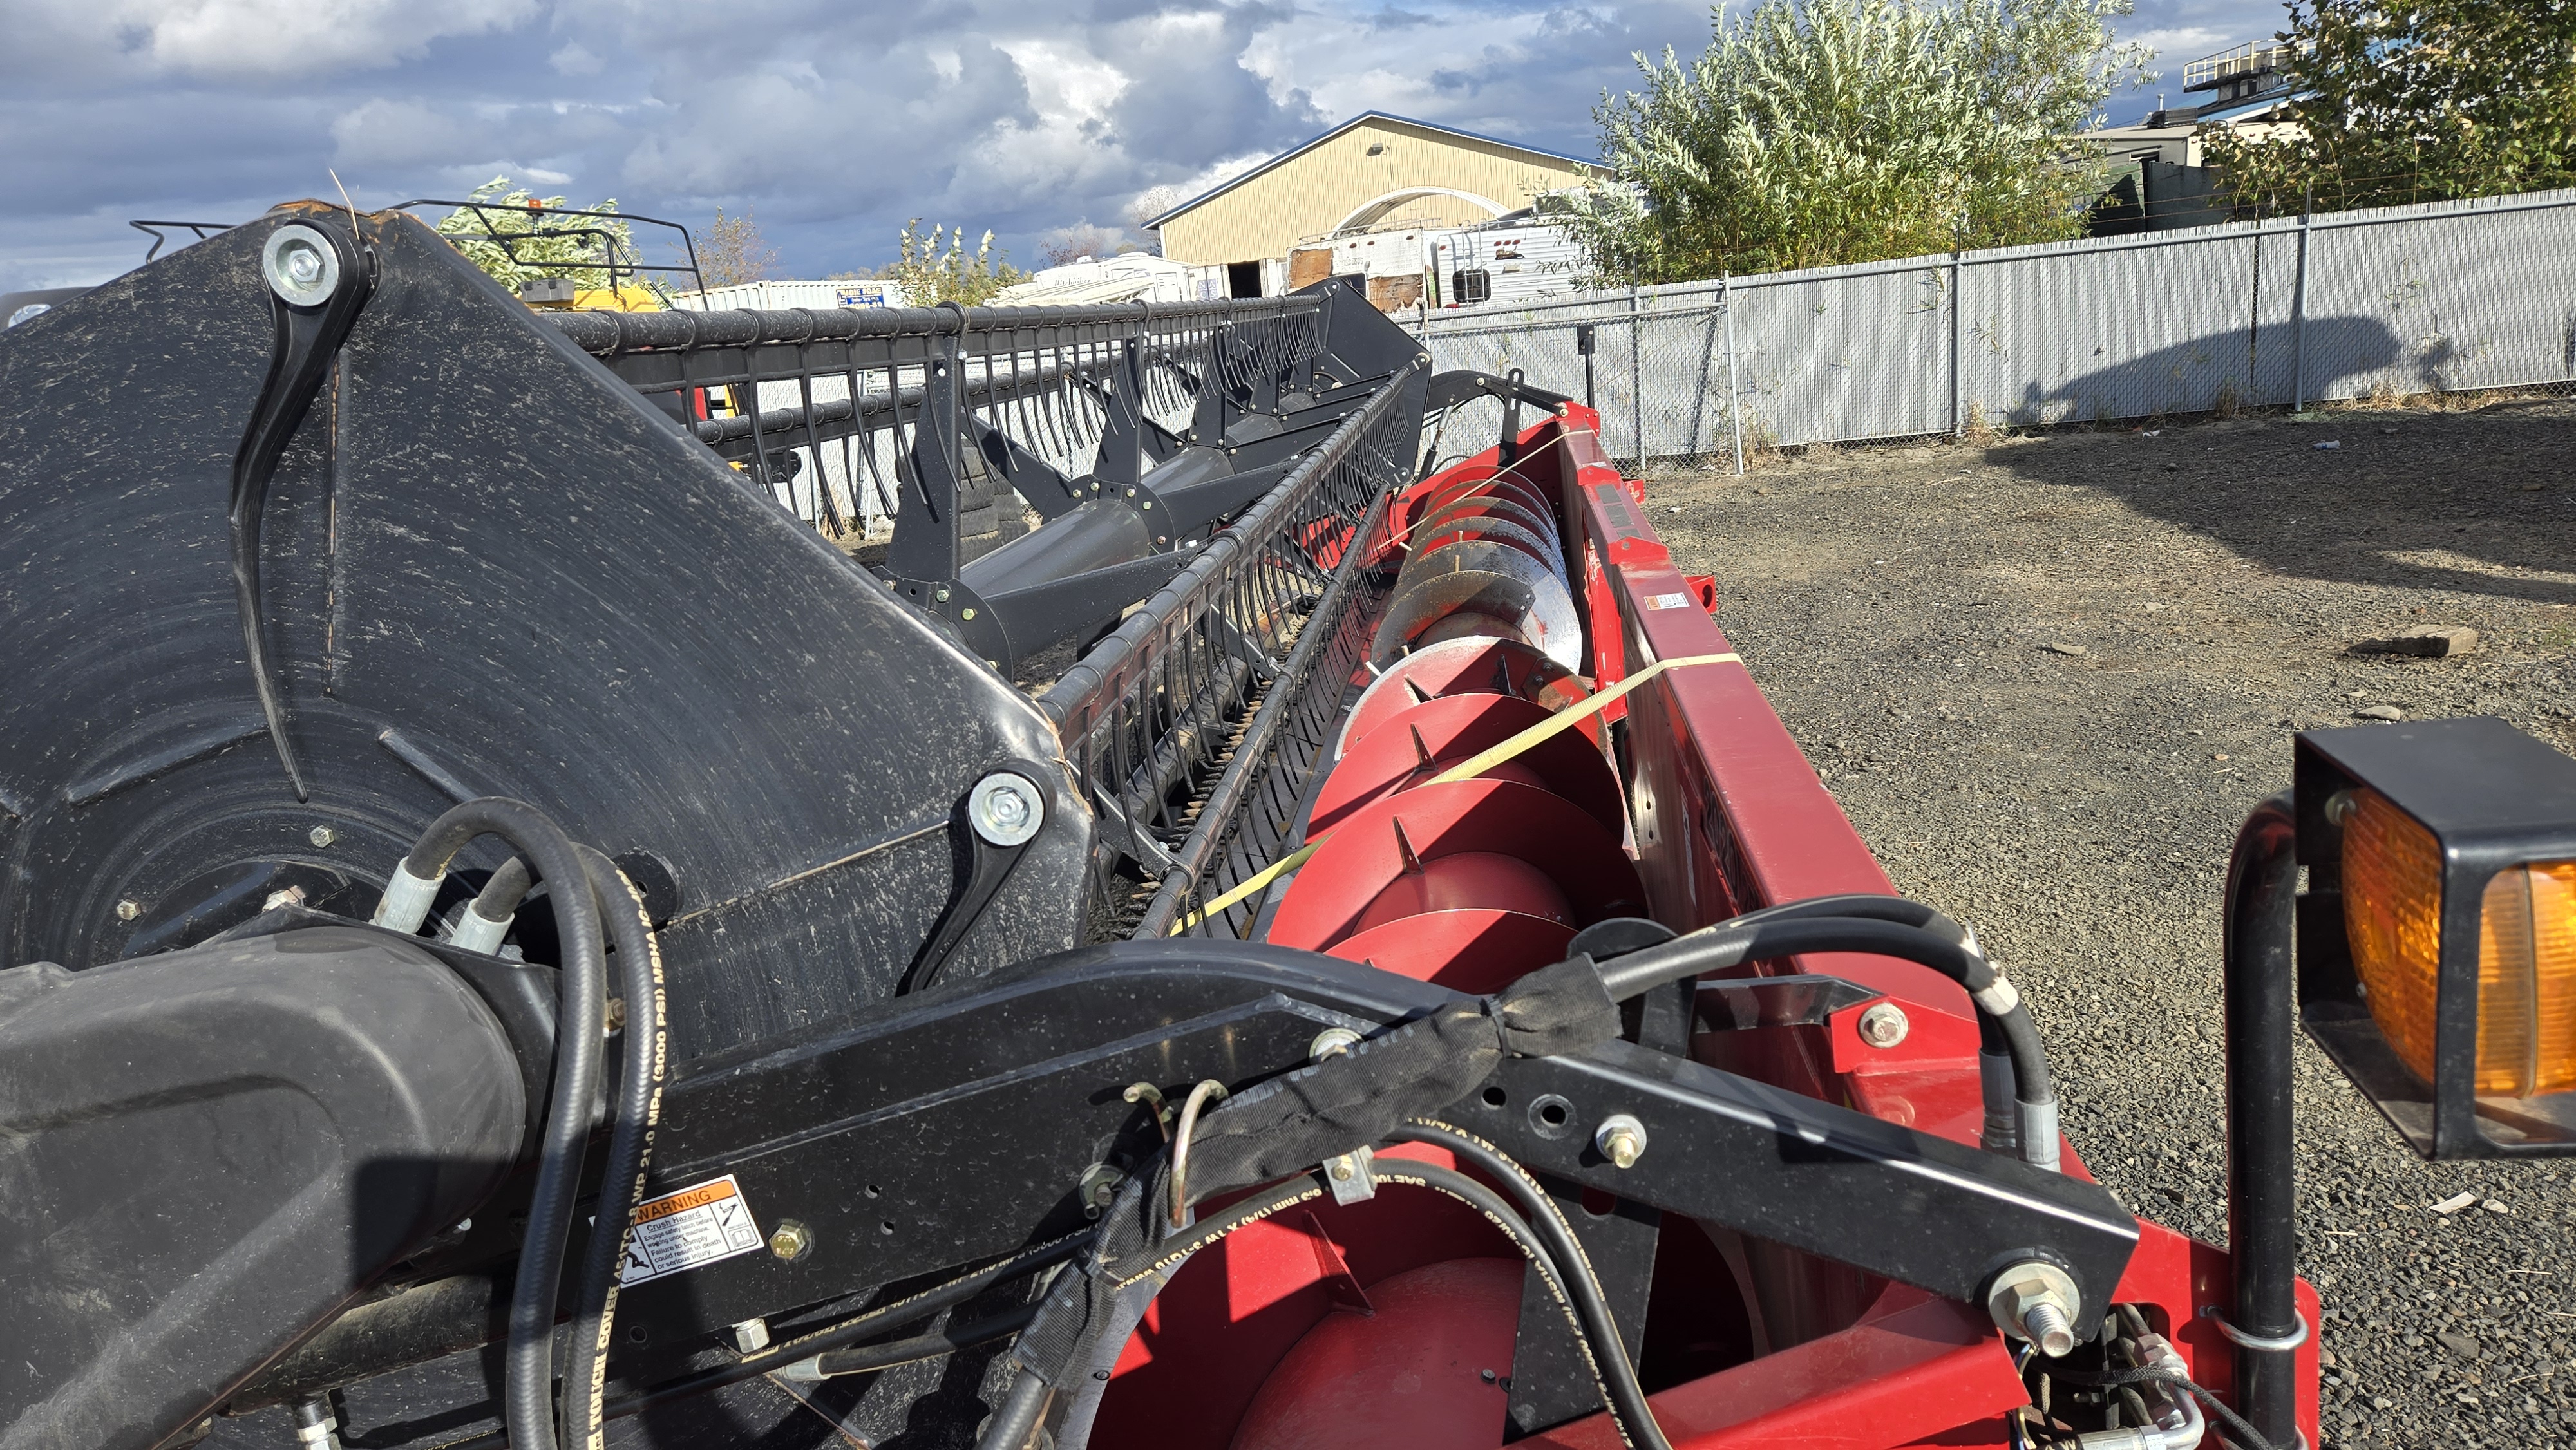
x: 538, y: 245
x: 1816, y: 132
x: 933, y: 271
x: 2416, y: 102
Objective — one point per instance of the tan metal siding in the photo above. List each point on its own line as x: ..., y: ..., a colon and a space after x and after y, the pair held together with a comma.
x: 1310, y: 194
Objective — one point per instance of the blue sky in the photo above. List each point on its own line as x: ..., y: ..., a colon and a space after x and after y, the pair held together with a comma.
x: 830, y: 122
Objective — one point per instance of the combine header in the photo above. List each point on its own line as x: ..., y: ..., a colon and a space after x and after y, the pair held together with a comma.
x: 1234, y: 931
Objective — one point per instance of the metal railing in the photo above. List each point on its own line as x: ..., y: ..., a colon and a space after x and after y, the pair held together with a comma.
x: 820, y: 406
x: 1194, y: 726
x: 2254, y: 57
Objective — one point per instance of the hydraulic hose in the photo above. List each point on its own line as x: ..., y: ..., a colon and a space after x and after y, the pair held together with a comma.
x: 580, y: 1014
x: 1996, y: 1078
x: 876, y: 1321
x: 630, y: 1146
x: 1544, y: 1236
x: 1900, y: 909
x: 1730, y: 944
x: 1017, y: 1419
x: 487, y: 917
x: 1733, y: 943
x: 867, y: 1357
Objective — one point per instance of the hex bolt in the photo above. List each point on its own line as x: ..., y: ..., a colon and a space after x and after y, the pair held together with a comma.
x: 300, y: 265
x: 2046, y: 1325
x: 1621, y: 1139
x: 941, y: 594
x: 967, y: 613
x: 2037, y: 1301
x: 1884, y: 1025
x: 128, y: 909
x: 321, y: 836
x: 1005, y: 808
x: 1331, y: 1042
x: 790, y: 1240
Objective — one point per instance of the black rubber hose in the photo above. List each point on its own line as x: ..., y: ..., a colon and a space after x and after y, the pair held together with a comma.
x: 1900, y: 909
x: 630, y: 1146
x: 876, y: 1321
x: 527, y: 1383
x: 1903, y: 910
x: 1621, y: 1394
x: 1574, y: 1268
x: 500, y: 897
x: 2011, y: 1034
x: 893, y: 1352
x: 1719, y: 947
x: 1726, y: 945
x: 1017, y: 1419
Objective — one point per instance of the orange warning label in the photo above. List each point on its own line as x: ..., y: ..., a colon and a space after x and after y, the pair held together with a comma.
x: 697, y: 1225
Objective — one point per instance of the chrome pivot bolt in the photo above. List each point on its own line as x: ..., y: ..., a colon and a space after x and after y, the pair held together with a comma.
x: 1005, y: 808
x: 301, y: 265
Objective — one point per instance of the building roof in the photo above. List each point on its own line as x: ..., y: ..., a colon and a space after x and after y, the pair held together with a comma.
x: 1284, y: 157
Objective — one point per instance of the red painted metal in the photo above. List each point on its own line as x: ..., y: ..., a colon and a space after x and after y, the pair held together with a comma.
x: 1425, y: 739
x: 1366, y: 855
x: 1479, y: 950
x: 1427, y: 1371
x: 1726, y: 816
x: 1464, y: 667
x: 1211, y: 1339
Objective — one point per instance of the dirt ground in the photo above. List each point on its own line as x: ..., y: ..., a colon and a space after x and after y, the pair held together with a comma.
x: 2048, y: 677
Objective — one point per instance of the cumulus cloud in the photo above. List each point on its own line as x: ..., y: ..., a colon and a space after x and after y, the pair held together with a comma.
x: 262, y: 39
x: 832, y: 120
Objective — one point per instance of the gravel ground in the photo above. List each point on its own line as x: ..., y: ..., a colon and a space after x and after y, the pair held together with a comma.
x: 2048, y: 677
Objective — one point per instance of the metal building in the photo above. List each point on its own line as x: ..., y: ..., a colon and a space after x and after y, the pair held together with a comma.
x: 1372, y: 172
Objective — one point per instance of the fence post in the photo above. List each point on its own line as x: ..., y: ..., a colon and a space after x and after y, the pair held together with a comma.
x: 1958, y: 420
x: 2299, y: 314
x: 1636, y: 381
x: 1734, y: 391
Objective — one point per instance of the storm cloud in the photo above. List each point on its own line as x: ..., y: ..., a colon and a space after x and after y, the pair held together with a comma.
x: 832, y: 123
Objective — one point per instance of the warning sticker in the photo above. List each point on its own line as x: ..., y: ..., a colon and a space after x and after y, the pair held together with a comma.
x: 697, y: 1225
x: 1668, y: 601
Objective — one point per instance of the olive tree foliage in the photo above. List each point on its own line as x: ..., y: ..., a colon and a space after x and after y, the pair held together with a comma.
x: 934, y: 271
x: 732, y: 251
x: 2427, y: 101
x: 516, y: 245
x: 1816, y: 132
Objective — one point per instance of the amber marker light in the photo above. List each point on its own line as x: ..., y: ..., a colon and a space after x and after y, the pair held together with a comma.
x: 2392, y: 911
x: 2437, y: 937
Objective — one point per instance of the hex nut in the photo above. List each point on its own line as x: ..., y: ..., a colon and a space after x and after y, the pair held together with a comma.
x: 1884, y: 1025
x: 321, y: 836
x: 2036, y: 1301
x: 1621, y: 1139
x: 1099, y: 1189
x: 128, y: 909
x: 790, y: 1240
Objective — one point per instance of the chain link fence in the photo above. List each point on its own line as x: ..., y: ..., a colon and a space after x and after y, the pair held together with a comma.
x: 2382, y: 304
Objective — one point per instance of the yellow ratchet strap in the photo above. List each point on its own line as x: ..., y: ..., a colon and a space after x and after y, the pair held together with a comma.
x: 1553, y: 725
